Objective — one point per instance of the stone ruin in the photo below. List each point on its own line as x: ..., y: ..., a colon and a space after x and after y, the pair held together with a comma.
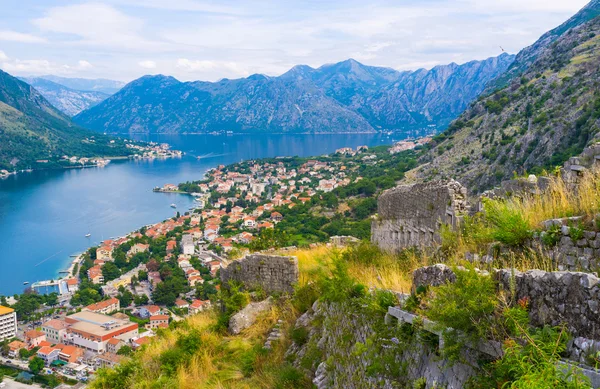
x: 272, y: 273
x: 412, y: 215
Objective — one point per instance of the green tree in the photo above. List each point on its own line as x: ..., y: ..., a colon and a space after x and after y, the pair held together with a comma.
x: 110, y: 271
x: 36, y: 364
x: 125, y: 350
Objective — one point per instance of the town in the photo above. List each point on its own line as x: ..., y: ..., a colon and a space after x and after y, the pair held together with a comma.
x: 119, y: 295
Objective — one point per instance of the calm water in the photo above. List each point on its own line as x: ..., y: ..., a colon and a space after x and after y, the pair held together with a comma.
x: 44, y: 216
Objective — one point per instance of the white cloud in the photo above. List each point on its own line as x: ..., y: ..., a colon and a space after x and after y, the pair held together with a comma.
x: 200, y: 66
x: 147, y: 64
x: 42, y: 66
x: 14, y: 36
x: 3, y: 56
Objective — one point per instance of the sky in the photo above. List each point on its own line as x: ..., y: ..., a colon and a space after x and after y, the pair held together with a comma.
x: 210, y: 40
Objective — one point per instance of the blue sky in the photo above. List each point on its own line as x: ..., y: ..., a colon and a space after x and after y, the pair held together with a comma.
x: 209, y: 40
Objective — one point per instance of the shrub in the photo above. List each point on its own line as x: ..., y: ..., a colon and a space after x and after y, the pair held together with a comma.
x: 551, y: 236
x: 509, y: 225
x: 463, y: 310
x: 299, y: 335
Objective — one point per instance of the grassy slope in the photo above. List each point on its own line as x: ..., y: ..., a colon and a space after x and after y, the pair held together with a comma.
x: 538, y: 121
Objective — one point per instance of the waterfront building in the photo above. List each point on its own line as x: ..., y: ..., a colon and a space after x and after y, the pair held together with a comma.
x: 8, y: 323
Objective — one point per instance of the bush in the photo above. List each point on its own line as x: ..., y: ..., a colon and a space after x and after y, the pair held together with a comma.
x: 508, y: 225
x: 299, y: 335
x: 463, y: 309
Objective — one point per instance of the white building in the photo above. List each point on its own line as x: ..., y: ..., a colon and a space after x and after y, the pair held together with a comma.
x: 187, y: 244
x: 8, y: 323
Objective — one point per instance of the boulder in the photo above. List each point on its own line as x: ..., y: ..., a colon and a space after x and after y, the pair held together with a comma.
x: 247, y: 316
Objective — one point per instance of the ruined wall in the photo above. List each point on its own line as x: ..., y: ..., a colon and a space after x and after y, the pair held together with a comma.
x: 412, y: 215
x: 330, y: 353
x: 569, y: 246
x: 273, y: 273
x: 555, y: 298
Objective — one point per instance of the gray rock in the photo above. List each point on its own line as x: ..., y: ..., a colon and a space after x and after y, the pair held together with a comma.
x: 247, y: 317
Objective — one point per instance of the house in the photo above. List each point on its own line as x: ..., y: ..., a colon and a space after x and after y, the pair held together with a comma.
x: 55, y: 330
x: 33, y: 338
x: 265, y: 225
x: 108, y: 360
x: 113, y: 345
x: 194, y: 280
x: 69, y: 353
x: 139, y: 342
x: 154, y: 278
x: 48, y: 354
x: 276, y: 217
x: 171, y: 246
x: 181, y: 304
x: 249, y: 222
x: 104, y: 307
x: 149, y: 310
x: 104, y: 253
x: 14, y: 347
x: 198, y: 306
x: 94, y: 273
x: 214, y: 266
x: 138, y: 248
x: 158, y: 321
x: 187, y: 244
x: 72, y: 285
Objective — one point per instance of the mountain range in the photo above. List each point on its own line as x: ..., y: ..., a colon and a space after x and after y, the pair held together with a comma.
x: 337, y: 98
x: 67, y: 100
x: 33, y: 133
x: 548, y: 111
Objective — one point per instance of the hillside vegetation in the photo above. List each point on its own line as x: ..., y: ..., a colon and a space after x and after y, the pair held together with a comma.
x: 539, y: 120
x: 31, y: 130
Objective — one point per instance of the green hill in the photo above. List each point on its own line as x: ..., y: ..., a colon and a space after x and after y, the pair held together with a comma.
x: 31, y: 130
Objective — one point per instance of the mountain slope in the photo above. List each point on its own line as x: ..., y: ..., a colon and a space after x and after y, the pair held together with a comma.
x: 538, y: 121
x: 31, y: 129
x: 343, y: 97
x: 67, y: 100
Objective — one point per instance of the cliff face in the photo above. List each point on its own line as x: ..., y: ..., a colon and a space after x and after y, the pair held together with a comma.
x: 349, y: 347
x: 538, y: 121
x: 343, y: 97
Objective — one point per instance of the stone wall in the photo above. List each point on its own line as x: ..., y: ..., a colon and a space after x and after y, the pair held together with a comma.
x: 412, y: 215
x: 574, y: 249
x: 273, y: 273
x: 555, y: 298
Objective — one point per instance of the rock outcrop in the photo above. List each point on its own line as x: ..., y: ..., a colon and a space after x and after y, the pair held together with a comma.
x: 247, y: 317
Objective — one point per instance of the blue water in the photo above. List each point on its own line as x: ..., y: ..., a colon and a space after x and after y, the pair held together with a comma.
x: 45, y: 215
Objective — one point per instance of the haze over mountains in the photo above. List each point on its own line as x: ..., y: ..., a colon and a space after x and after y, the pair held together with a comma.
x: 337, y: 98
x: 33, y: 130
x: 69, y: 101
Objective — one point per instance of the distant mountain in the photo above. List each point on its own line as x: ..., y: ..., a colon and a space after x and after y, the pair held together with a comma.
x: 342, y: 97
x: 67, y: 100
x: 34, y: 134
x: 547, y: 113
x: 102, y: 85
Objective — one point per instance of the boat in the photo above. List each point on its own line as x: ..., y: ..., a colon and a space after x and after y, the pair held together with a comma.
x: 173, y: 206
x: 26, y: 283
x: 88, y: 235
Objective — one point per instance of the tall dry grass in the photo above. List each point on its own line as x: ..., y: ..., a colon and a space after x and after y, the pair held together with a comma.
x: 560, y: 200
